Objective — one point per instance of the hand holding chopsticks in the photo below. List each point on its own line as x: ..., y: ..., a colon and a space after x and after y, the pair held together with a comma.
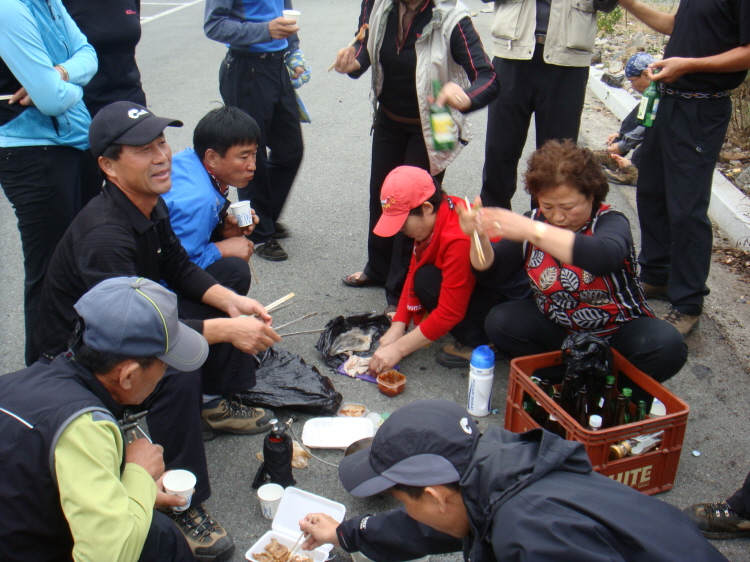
x: 477, y: 241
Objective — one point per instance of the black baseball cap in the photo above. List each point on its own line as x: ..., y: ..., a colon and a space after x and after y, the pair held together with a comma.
x: 425, y: 443
x: 125, y: 122
x: 136, y: 318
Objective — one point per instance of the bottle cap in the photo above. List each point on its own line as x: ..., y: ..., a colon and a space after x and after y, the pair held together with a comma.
x: 627, y: 392
x: 483, y: 357
x: 610, y: 379
x: 595, y: 421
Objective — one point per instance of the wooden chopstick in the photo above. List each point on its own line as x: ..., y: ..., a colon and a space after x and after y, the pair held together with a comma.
x: 478, y: 242
x: 276, y: 303
x: 295, y: 549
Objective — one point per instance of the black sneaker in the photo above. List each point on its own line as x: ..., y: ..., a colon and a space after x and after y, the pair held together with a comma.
x: 271, y: 251
x: 207, y: 539
x: 281, y: 231
x: 718, y: 521
x: 232, y: 416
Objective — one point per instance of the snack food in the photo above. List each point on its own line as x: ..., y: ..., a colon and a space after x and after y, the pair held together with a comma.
x: 277, y: 552
x: 353, y: 410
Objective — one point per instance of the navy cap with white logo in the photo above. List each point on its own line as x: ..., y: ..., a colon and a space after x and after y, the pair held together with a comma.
x: 425, y: 443
x: 124, y: 122
x: 133, y: 317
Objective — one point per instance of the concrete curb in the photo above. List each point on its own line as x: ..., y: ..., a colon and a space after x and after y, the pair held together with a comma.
x: 729, y: 208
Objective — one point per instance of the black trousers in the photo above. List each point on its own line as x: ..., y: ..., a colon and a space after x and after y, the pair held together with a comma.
x: 518, y: 328
x: 394, y: 144
x: 227, y: 370
x: 679, y: 154
x: 740, y: 501
x: 262, y: 88
x: 43, y: 185
x: 174, y: 422
x: 165, y: 542
x: 554, y: 94
x: 469, y: 331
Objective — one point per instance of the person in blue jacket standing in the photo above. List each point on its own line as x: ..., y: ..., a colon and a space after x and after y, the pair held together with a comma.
x: 225, y: 144
x: 256, y: 76
x: 44, y: 63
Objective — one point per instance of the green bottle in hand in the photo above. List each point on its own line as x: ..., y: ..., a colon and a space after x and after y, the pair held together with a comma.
x: 441, y: 122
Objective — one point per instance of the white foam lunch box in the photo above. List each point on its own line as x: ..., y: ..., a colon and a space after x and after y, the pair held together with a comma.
x: 294, y: 505
x: 335, y: 433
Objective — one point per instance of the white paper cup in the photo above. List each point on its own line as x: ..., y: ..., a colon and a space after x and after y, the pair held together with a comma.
x: 270, y: 498
x: 292, y: 15
x: 242, y: 212
x: 180, y: 483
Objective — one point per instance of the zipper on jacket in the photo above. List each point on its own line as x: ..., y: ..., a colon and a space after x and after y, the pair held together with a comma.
x: 51, y: 13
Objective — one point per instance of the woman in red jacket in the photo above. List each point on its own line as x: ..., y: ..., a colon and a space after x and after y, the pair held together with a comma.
x: 439, y: 294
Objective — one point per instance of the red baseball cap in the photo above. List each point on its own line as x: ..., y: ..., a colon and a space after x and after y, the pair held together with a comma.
x: 405, y: 188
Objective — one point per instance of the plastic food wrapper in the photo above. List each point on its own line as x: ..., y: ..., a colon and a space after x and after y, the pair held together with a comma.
x: 284, y: 380
x: 343, y: 337
x: 299, y: 456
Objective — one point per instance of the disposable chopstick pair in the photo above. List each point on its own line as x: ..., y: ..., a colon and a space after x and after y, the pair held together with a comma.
x: 276, y: 303
x: 7, y: 97
x: 252, y: 271
x: 316, y: 331
x: 295, y: 549
x: 478, y: 242
x: 359, y: 37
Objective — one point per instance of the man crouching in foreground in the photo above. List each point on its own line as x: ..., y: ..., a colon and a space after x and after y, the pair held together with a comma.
x: 497, y: 496
x: 70, y: 488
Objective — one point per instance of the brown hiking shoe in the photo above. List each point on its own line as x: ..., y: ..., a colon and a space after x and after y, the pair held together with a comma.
x: 683, y: 322
x: 455, y: 355
x: 654, y: 291
x: 232, y: 416
x: 623, y: 176
x: 207, y: 539
x: 718, y: 521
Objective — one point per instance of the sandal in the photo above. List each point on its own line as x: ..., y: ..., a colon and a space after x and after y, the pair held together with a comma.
x: 358, y: 279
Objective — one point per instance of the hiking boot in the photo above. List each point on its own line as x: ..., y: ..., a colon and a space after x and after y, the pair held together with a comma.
x: 280, y: 231
x: 271, y: 251
x: 455, y: 355
x: 624, y: 176
x: 683, y: 322
x: 232, y: 416
x: 654, y: 291
x: 207, y: 539
x: 718, y: 521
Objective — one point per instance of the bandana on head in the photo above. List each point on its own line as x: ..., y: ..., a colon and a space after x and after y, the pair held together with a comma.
x: 637, y: 64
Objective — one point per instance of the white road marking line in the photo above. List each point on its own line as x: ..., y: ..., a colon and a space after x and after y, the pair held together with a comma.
x: 170, y: 11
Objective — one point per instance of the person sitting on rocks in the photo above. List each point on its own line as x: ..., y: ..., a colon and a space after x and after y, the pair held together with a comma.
x: 225, y: 144
x: 617, y: 168
x: 439, y: 294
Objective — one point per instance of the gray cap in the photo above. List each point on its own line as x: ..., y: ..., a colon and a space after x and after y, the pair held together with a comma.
x: 425, y: 443
x: 134, y: 317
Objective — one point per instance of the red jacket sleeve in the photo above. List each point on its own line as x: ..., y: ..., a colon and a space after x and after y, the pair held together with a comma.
x: 455, y: 291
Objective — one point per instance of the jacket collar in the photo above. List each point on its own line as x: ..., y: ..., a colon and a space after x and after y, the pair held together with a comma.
x: 133, y: 214
x: 89, y: 380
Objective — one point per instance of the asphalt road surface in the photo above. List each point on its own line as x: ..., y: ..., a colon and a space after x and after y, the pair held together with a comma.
x: 327, y: 215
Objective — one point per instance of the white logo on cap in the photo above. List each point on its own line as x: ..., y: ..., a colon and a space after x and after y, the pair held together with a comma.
x: 136, y: 113
x: 465, y: 425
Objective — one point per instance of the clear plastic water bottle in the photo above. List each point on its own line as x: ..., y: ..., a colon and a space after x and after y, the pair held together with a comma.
x: 481, y: 377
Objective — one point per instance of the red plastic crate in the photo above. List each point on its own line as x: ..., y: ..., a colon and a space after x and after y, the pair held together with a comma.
x: 650, y: 473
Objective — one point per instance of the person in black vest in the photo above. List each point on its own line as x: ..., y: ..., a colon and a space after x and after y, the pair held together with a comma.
x: 70, y: 487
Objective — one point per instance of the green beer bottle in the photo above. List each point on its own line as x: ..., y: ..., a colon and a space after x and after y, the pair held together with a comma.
x: 649, y: 104
x: 441, y: 122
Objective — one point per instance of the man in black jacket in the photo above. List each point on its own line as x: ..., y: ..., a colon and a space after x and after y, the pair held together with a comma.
x: 497, y: 496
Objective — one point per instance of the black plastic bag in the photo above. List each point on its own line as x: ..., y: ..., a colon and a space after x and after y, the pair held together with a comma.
x: 589, y: 357
x: 277, y: 461
x: 284, y: 380
x: 368, y: 325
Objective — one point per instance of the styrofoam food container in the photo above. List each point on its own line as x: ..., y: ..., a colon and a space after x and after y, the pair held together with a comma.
x: 295, y: 504
x: 335, y: 433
